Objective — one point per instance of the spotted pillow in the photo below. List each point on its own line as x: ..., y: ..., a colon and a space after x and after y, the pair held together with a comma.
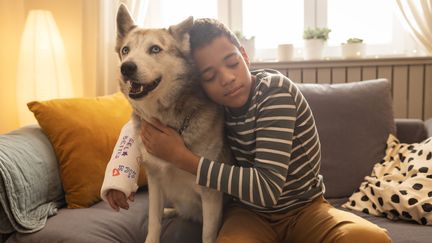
x: 400, y: 186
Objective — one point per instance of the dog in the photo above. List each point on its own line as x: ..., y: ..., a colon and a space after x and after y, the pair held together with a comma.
x: 157, y: 77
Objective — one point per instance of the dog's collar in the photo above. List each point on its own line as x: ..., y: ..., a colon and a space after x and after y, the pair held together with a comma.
x: 186, y: 123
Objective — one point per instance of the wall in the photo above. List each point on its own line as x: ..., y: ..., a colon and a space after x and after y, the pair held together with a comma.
x: 11, y: 21
x: 68, y: 15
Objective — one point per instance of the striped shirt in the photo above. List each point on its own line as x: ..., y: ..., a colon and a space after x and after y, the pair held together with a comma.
x: 276, y: 148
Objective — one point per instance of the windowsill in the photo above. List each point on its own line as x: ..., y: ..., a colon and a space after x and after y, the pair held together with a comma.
x: 340, y: 59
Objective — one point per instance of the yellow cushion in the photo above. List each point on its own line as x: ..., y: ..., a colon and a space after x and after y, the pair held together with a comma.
x: 83, y: 132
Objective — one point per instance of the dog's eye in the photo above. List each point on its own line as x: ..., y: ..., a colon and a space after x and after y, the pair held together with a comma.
x: 125, y: 50
x: 155, y: 49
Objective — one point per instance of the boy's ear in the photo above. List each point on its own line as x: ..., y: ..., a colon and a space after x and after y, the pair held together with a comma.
x: 125, y: 23
x: 180, y: 32
x: 245, y: 55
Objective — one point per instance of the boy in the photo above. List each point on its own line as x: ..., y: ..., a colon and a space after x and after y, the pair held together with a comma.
x: 271, y: 131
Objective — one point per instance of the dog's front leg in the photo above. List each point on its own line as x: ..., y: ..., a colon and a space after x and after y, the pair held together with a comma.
x: 212, y: 215
x: 156, y: 206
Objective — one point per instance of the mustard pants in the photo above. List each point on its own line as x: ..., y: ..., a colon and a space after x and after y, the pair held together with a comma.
x: 315, y: 222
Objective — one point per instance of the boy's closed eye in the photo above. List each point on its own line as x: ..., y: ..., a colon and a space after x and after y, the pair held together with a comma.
x: 233, y: 65
x: 208, y: 76
x: 231, y: 61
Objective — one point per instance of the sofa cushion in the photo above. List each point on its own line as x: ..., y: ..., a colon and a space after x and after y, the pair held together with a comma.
x: 400, y: 186
x: 83, y: 132
x: 353, y: 122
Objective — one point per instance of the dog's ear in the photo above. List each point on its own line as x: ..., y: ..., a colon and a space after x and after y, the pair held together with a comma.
x: 125, y: 23
x: 180, y: 32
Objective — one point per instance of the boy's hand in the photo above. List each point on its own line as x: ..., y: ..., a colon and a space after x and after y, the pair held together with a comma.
x: 161, y: 141
x: 117, y: 199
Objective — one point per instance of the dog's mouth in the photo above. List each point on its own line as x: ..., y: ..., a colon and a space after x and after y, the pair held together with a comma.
x: 138, y: 90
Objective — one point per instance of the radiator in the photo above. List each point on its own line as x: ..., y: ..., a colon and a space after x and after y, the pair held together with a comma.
x: 410, y: 78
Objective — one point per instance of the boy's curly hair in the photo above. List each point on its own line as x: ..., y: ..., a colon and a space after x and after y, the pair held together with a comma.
x: 205, y: 30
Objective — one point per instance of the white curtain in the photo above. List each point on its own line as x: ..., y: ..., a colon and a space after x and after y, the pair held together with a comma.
x: 107, y: 60
x: 100, y: 62
x: 418, y: 15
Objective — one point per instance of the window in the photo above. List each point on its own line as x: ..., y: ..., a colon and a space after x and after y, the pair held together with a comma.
x: 281, y: 23
x: 163, y: 13
x: 275, y: 22
x: 368, y: 23
x: 376, y: 22
x: 176, y: 11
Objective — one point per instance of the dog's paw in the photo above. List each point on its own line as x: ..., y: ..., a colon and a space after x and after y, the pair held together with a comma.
x: 169, y: 213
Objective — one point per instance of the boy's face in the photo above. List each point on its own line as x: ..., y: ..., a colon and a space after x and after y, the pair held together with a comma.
x: 224, y: 71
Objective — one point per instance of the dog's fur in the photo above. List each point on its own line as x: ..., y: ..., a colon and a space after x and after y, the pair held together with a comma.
x: 164, y: 55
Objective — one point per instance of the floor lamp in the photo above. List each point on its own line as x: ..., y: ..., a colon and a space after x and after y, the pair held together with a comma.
x: 43, y: 71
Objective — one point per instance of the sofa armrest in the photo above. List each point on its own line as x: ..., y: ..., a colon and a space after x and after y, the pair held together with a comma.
x: 428, y: 125
x: 410, y: 130
x: 27, y: 160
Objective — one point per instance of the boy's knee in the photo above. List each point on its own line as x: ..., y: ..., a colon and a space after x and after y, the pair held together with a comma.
x: 351, y: 232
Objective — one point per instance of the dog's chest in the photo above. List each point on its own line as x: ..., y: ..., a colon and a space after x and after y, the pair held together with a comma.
x: 178, y: 186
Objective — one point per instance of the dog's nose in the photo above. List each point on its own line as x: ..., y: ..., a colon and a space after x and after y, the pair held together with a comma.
x: 128, y: 69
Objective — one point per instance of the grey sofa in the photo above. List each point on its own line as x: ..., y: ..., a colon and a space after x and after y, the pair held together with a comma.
x: 353, y: 122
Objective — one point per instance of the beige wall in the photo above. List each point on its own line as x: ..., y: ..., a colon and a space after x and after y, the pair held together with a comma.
x: 11, y: 21
x: 69, y: 18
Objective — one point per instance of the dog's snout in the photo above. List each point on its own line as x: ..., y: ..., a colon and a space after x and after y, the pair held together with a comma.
x: 128, y: 69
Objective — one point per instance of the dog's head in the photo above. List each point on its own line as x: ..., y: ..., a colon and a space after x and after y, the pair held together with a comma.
x: 155, y: 63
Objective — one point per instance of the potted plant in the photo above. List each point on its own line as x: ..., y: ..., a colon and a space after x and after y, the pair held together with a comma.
x: 314, y: 41
x: 247, y: 43
x: 353, y: 48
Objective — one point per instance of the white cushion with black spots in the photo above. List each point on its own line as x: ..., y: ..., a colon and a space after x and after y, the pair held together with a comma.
x: 400, y: 186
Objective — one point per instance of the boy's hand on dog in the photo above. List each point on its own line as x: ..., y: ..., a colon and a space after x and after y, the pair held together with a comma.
x: 160, y: 140
x: 117, y: 199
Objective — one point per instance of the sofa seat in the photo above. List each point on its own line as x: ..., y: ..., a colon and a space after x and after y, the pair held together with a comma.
x: 102, y: 224
x: 400, y: 231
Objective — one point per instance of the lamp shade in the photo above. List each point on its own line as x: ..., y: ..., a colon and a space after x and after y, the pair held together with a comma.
x: 43, y: 71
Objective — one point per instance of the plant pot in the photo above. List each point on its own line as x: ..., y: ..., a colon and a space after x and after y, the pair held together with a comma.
x: 285, y: 52
x: 313, y: 49
x: 353, y: 50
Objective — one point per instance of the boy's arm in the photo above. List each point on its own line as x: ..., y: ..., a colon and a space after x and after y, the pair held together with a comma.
x: 261, y: 184
x: 123, y: 168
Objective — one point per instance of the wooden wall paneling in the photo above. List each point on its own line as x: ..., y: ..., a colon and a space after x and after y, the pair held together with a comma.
x: 339, y: 75
x: 400, y: 87
x: 284, y: 71
x: 309, y: 75
x: 295, y: 75
x: 369, y: 73
x: 386, y: 72
x: 415, y: 91
x: 427, y: 93
x: 324, y: 76
x: 353, y: 74
x: 411, y: 98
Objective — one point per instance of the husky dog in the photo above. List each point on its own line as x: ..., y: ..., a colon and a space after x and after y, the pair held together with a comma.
x: 158, y: 79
